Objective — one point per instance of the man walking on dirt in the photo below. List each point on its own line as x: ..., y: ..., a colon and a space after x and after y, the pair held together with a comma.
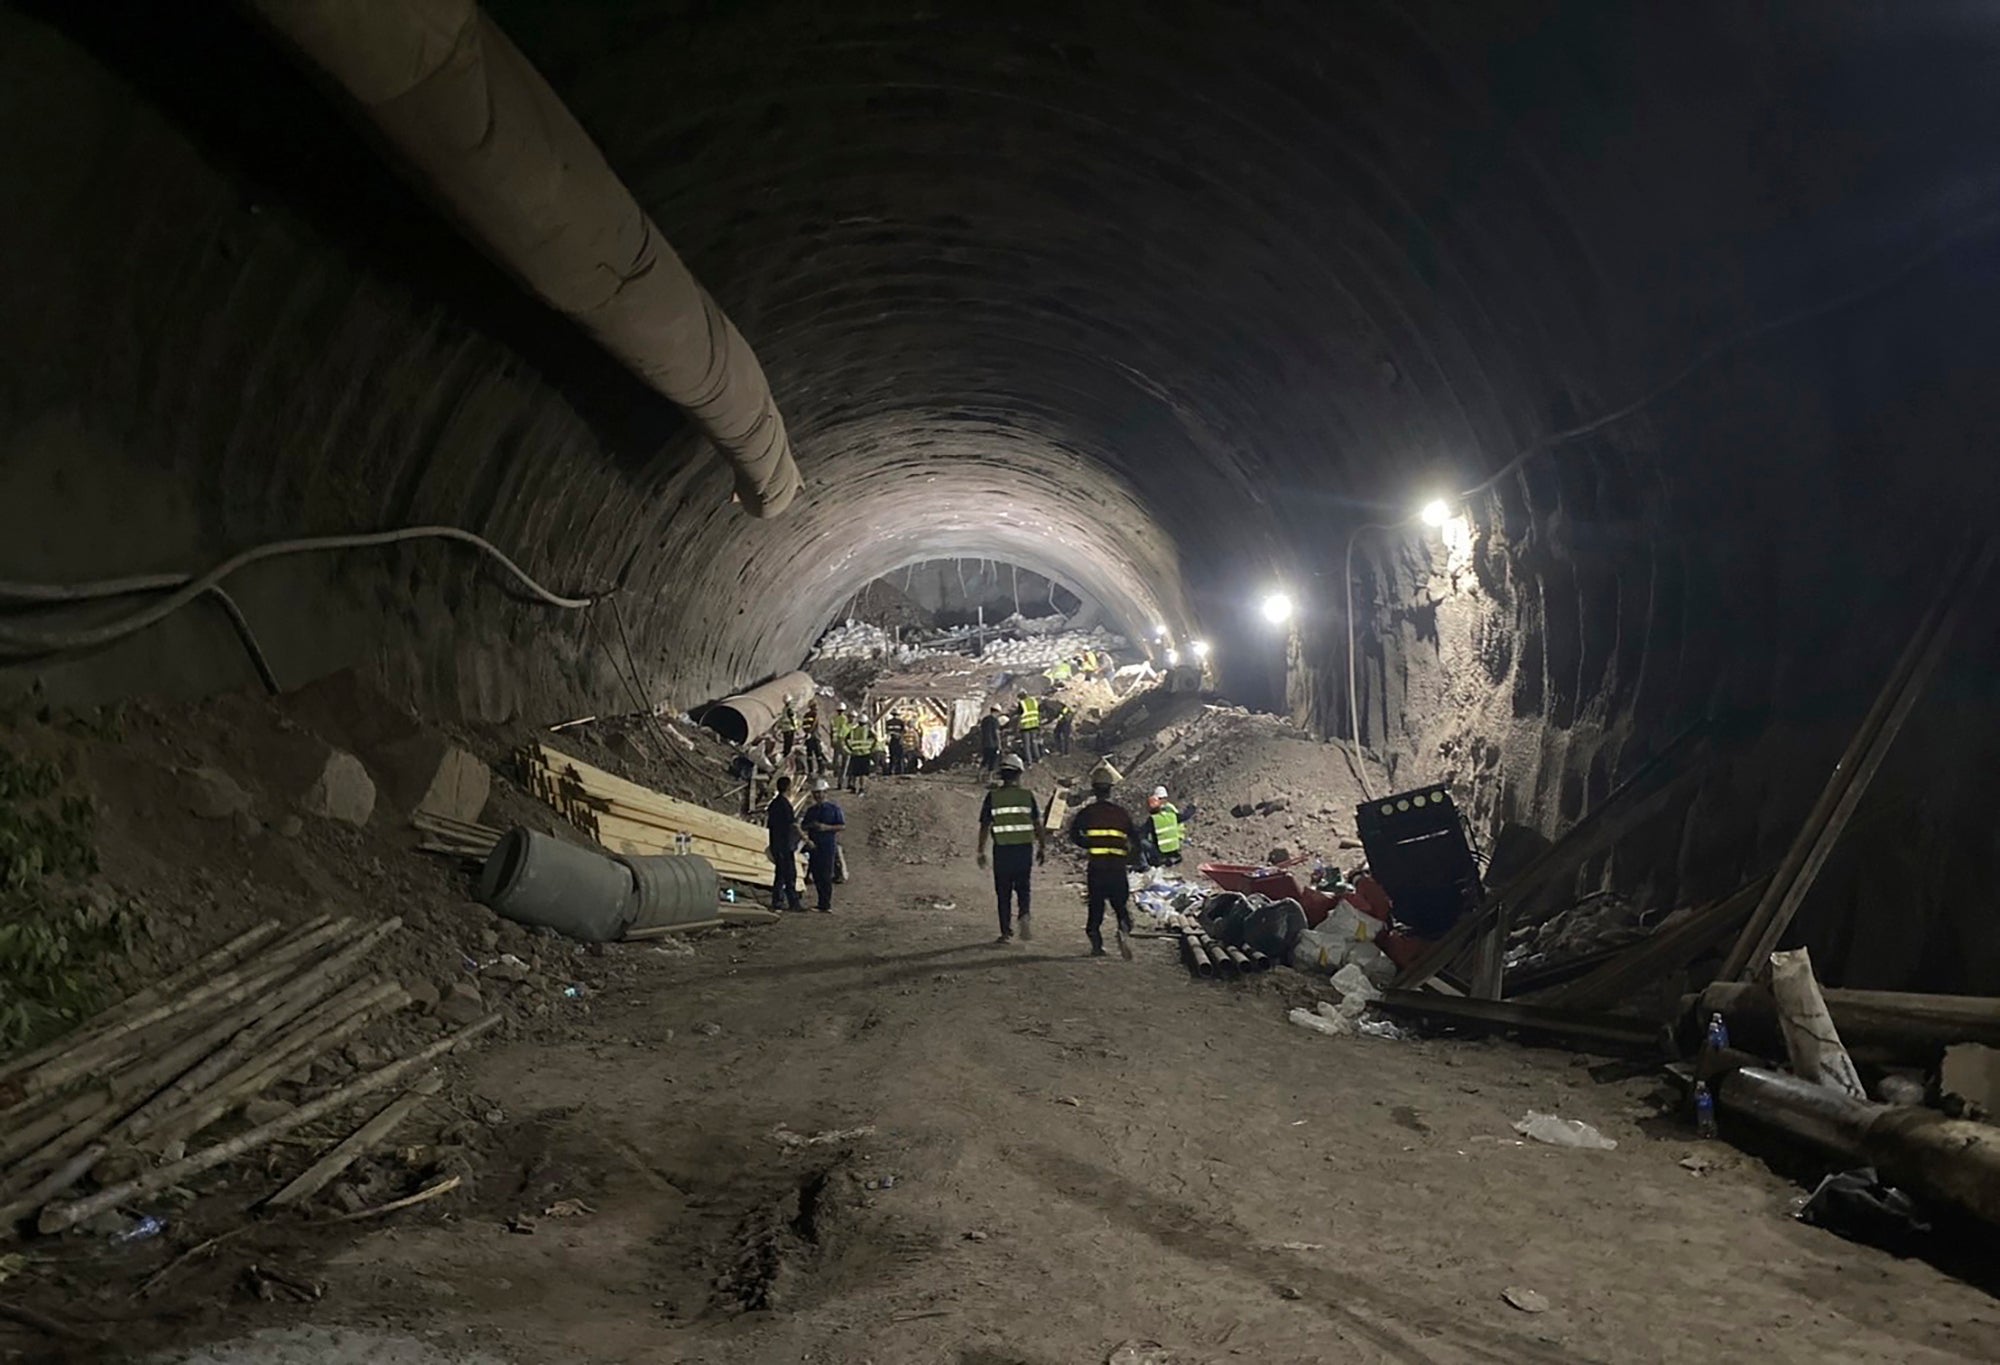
x: 989, y: 739
x: 822, y: 822
x: 1013, y: 822
x: 1104, y: 830
x: 783, y: 823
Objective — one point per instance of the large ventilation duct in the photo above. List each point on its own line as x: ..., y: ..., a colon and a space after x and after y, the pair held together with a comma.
x: 490, y: 137
x: 749, y: 714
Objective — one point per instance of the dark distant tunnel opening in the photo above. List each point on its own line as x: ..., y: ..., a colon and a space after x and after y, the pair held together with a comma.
x: 1164, y: 308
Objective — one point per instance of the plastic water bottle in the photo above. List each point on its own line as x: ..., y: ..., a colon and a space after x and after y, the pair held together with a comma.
x: 146, y: 1227
x: 1704, y: 1110
x: 1717, y: 1038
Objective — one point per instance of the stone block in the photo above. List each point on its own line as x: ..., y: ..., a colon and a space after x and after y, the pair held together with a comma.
x: 342, y: 791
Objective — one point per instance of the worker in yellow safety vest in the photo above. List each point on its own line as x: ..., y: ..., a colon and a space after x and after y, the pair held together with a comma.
x: 841, y: 724
x: 1028, y: 720
x: 1013, y: 822
x: 1058, y: 671
x: 1163, y: 830
x: 861, y: 741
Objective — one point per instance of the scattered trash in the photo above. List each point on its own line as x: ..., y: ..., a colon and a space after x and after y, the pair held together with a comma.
x: 576, y: 991
x: 1353, y: 983
x: 1380, y: 1028
x: 674, y: 947
x: 1697, y: 1165
x: 1331, y: 1023
x: 1139, y: 1353
x: 145, y: 1228
x: 1527, y: 1300
x: 975, y: 1235
x: 507, y: 967
x: 522, y: 1224
x: 785, y: 1137
x: 1070, y: 1100
x: 887, y: 1182
x: 1287, y: 1291
x: 1302, y: 1246
x: 568, y: 1208
x: 1561, y: 1132
x: 709, y: 1030
x: 1857, y: 1205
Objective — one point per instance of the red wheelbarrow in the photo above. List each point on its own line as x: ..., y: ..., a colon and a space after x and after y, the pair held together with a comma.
x: 1276, y: 882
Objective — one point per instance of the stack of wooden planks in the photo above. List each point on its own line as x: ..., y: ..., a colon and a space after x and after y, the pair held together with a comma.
x: 454, y: 838
x: 147, y: 1076
x: 628, y: 818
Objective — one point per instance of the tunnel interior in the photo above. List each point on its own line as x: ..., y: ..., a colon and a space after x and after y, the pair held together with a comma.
x: 1689, y: 315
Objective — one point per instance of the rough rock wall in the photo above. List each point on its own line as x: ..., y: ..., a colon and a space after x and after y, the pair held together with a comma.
x: 1755, y: 547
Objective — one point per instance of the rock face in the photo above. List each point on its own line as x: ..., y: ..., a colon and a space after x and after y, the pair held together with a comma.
x: 342, y: 791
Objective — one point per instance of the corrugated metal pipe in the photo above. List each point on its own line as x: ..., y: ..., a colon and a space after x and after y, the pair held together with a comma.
x: 488, y: 135
x: 749, y: 714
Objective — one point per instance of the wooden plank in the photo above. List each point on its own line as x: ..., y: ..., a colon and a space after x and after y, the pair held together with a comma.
x: 1667, y: 950
x: 601, y: 783
x: 1858, y: 766
x: 1569, y: 1025
x: 1601, y: 827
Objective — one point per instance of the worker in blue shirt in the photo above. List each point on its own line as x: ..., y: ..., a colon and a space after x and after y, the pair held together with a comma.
x: 822, y: 822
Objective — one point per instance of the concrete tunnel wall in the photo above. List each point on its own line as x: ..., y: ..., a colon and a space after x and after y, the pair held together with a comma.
x: 1158, y: 300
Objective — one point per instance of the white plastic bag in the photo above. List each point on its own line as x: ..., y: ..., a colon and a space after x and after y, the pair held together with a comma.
x: 1333, y: 1026
x: 1317, y: 951
x: 1351, y: 981
x: 1374, y: 962
x: 1561, y: 1132
x: 1349, y: 925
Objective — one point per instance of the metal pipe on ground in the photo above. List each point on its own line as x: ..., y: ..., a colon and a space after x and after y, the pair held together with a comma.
x: 489, y: 137
x: 1951, y: 1161
x: 749, y: 714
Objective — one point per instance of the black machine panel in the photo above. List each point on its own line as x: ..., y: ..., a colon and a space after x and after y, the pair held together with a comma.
x: 1416, y: 848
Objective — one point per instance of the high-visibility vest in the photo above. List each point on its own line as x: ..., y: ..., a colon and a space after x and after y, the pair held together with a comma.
x: 1167, y: 829
x: 1013, y: 815
x: 1060, y: 671
x: 789, y: 722
x: 860, y: 739
x: 1106, y: 842
x: 1031, y: 713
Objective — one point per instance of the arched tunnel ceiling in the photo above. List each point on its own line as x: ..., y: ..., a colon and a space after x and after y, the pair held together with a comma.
x: 1124, y: 293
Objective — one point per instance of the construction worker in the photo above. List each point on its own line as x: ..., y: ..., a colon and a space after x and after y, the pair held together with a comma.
x: 1103, y: 829
x: 989, y: 738
x: 782, y: 821
x: 1163, y: 830
x: 822, y: 823
x: 1013, y: 822
x: 1028, y: 720
x: 1063, y: 716
x: 841, y: 724
x: 897, y: 728
x: 1058, y: 672
x: 815, y: 750
x: 788, y: 726
x: 860, y: 755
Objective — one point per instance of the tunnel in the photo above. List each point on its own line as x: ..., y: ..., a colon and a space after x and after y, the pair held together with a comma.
x: 1686, y: 316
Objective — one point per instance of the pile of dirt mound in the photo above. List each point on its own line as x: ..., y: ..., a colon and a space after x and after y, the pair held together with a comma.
x: 1256, y: 782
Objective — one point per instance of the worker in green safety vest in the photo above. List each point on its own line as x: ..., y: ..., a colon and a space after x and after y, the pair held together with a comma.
x: 1163, y: 830
x: 1028, y: 720
x: 860, y: 755
x: 841, y: 725
x: 1014, y: 823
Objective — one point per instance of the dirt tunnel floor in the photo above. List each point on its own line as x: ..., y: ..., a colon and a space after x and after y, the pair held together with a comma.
x: 1059, y: 1155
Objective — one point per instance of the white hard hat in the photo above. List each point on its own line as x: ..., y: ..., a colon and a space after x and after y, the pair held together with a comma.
x: 843, y: 706
x: 820, y: 784
x: 1159, y: 793
x: 1011, y: 763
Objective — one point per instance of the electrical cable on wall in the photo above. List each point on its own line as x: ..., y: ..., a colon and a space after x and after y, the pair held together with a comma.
x: 1703, y: 358
x: 183, y: 589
